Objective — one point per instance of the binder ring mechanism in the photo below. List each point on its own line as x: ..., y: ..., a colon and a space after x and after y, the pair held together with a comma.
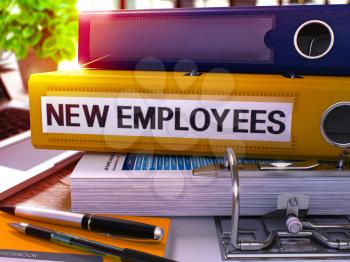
x: 295, y: 227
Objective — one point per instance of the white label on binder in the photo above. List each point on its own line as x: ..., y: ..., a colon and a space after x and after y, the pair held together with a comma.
x: 231, y: 120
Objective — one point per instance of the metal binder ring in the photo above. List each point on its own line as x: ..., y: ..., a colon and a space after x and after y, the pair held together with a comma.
x: 342, y: 158
x: 231, y: 163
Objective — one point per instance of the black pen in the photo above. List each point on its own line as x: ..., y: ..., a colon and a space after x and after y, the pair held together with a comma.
x: 125, y: 254
x: 103, y: 224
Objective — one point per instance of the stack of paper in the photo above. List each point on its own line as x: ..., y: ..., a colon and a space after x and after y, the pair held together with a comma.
x: 156, y: 185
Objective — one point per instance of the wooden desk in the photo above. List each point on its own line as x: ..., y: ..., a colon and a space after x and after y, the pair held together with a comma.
x: 51, y: 192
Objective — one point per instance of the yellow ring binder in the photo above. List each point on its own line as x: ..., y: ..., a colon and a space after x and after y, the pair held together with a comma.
x: 159, y: 112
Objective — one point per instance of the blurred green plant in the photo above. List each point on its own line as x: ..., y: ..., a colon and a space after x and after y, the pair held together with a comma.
x: 49, y: 27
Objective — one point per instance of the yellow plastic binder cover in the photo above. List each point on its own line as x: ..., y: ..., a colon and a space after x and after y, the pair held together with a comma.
x: 157, y: 112
x: 14, y: 241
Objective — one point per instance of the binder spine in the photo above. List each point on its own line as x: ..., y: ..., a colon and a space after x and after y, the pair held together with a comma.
x: 124, y: 111
x: 298, y: 39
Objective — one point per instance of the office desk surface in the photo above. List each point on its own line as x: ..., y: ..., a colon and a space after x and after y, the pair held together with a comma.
x: 52, y: 192
x: 193, y: 238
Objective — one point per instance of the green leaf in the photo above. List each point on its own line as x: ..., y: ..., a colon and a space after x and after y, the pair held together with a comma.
x: 68, y: 53
x: 50, y: 27
x: 72, y: 28
x: 4, y: 4
x: 35, y: 38
x: 24, y: 18
x: 59, y: 29
x: 28, y: 32
x: 50, y: 44
x: 52, y: 24
x: 21, y: 51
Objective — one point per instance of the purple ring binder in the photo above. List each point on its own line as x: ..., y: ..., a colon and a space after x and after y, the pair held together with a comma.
x: 300, y: 39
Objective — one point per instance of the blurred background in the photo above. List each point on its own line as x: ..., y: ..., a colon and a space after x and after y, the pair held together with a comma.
x: 42, y: 35
x: 144, y: 4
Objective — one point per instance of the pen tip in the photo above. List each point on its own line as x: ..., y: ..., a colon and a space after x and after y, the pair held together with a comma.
x: 8, y: 209
x: 18, y: 226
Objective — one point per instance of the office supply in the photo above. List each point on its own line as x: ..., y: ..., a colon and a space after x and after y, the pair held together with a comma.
x: 9, y: 255
x: 125, y: 254
x: 20, y: 164
x: 157, y: 112
x: 192, y: 234
x: 11, y: 240
x: 289, y: 233
x: 167, y: 185
x: 299, y: 39
x: 108, y: 225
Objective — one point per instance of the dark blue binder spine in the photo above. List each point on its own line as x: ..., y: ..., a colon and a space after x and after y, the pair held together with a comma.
x: 300, y: 39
